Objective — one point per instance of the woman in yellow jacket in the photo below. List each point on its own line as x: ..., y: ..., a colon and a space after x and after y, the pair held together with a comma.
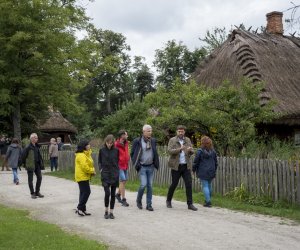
x: 84, y: 170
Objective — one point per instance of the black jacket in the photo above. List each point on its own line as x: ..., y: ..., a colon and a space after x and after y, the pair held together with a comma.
x: 32, y: 158
x: 136, y: 152
x: 205, y: 164
x: 108, y: 161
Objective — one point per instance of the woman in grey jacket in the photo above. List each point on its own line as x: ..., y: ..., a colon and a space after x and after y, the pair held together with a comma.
x: 13, y: 156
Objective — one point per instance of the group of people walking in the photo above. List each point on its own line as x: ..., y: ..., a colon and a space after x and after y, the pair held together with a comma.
x: 113, y: 162
x: 30, y: 157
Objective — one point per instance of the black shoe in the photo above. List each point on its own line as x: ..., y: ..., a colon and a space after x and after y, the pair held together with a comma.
x: 79, y: 212
x: 149, y: 208
x: 87, y: 214
x: 192, y: 207
x: 106, y: 215
x: 139, y: 205
x: 118, y: 197
x: 39, y: 195
x: 169, y: 204
x: 33, y: 196
x: 124, y: 203
x: 207, y: 204
x: 111, y: 216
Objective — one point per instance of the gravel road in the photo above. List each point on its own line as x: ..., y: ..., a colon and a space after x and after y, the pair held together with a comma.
x: 176, y: 228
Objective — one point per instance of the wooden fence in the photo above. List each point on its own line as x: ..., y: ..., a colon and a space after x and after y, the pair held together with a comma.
x: 277, y: 179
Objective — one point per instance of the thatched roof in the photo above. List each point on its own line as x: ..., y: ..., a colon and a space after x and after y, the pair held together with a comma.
x: 271, y: 58
x: 57, y: 123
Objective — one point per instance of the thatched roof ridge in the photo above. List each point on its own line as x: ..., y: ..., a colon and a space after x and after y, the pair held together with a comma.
x: 273, y: 59
x: 57, y: 123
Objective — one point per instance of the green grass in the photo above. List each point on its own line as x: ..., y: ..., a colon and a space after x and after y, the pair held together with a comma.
x: 279, y: 209
x: 17, y: 231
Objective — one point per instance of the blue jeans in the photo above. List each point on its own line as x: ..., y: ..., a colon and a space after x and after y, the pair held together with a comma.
x: 15, y: 173
x: 53, y: 163
x: 146, y: 177
x: 206, y: 188
x: 123, y: 175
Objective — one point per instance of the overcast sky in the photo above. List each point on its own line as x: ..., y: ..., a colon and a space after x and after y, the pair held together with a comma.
x: 149, y: 24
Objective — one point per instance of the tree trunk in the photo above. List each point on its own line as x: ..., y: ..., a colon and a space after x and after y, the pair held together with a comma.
x: 107, y: 97
x: 17, y: 120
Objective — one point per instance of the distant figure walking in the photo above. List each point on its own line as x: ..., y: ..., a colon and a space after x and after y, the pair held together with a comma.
x: 145, y: 159
x: 60, y: 144
x: 205, y: 165
x: 108, y: 161
x: 84, y: 170
x: 3, y: 149
x: 122, y: 145
x: 33, y: 162
x: 13, y: 158
x: 53, y: 154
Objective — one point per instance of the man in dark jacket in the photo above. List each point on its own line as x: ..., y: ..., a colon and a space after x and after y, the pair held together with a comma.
x: 33, y: 162
x: 145, y: 159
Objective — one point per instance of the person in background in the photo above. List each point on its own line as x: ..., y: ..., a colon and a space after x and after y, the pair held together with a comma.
x: 13, y: 157
x: 4, y: 142
x: 108, y: 161
x: 59, y: 143
x: 205, y: 165
x: 122, y: 145
x: 53, y: 154
x: 84, y: 170
x: 33, y: 162
x: 180, y: 150
x: 145, y: 159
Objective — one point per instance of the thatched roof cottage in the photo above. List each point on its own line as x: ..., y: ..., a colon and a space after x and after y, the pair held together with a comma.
x: 57, y: 126
x: 270, y: 57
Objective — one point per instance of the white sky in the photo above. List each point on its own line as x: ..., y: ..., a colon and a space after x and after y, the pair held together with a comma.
x: 149, y: 24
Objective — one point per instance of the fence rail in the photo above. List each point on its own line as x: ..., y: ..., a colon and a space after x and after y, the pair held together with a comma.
x: 274, y: 178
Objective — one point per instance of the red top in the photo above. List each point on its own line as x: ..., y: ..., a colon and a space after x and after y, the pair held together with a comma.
x: 123, y: 154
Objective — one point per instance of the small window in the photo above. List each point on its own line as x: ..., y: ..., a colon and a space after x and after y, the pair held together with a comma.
x: 297, y: 138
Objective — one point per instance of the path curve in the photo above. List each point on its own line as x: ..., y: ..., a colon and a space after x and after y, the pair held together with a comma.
x: 176, y: 228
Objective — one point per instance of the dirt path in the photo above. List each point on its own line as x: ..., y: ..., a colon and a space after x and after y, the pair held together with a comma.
x: 176, y: 228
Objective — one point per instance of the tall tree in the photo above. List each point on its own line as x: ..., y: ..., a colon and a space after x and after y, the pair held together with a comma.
x: 143, y: 78
x: 215, y: 38
x: 176, y: 61
x: 109, y: 66
x: 36, y: 61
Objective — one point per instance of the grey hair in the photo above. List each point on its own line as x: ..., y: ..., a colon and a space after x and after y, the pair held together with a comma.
x: 146, y: 126
x: 33, y: 135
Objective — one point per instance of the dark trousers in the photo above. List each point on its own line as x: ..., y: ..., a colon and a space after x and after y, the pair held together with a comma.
x: 38, y: 174
x: 53, y: 163
x: 110, y: 191
x: 185, y: 173
x: 84, y: 193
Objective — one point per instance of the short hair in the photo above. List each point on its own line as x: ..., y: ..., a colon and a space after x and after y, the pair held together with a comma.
x: 15, y: 140
x: 146, y: 126
x: 82, y: 145
x: 33, y: 135
x: 58, y: 138
x: 181, y: 127
x: 109, y: 138
x: 121, y: 132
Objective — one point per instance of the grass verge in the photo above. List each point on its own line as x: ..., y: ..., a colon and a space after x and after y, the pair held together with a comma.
x: 17, y: 231
x: 279, y: 209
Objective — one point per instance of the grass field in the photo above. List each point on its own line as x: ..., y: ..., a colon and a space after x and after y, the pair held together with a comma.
x: 17, y: 231
x: 280, y: 209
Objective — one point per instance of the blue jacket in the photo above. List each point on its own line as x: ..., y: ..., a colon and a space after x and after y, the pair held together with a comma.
x: 205, y: 164
x: 136, y: 152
